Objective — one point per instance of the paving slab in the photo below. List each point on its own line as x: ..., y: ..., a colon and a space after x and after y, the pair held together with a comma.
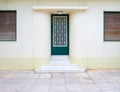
x: 27, y: 85
x: 72, y: 80
x: 89, y: 86
x: 109, y: 77
x: 74, y: 88
x: 84, y: 78
x: 57, y: 88
x: 105, y: 86
x: 45, y: 75
x: 70, y: 75
x: 58, y: 75
x: 90, y: 81
x: 96, y: 77
x: 41, y: 85
x: 43, y: 81
x: 57, y: 81
x: 33, y: 75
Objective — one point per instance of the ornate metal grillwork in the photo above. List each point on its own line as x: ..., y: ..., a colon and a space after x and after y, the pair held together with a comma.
x: 60, y: 31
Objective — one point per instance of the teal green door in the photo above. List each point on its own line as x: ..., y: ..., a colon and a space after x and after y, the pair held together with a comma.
x: 60, y: 34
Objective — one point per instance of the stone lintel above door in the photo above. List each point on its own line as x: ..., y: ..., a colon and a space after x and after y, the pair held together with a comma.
x: 65, y: 8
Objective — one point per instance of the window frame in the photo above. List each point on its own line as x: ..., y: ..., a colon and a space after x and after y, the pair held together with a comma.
x: 15, y: 25
x: 104, y: 25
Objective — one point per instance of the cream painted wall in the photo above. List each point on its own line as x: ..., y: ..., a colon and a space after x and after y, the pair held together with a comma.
x: 86, y: 28
x: 77, y: 34
x: 87, y: 47
x: 23, y: 47
x: 59, y: 2
x: 97, y: 47
x: 42, y: 31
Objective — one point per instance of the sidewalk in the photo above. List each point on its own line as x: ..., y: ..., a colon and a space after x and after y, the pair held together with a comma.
x: 90, y: 81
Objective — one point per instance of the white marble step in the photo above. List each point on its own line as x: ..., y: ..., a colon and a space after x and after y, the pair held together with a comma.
x: 59, y: 62
x: 59, y: 58
x: 60, y: 68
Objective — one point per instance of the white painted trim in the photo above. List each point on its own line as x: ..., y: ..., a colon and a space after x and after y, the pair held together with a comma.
x: 58, y: 7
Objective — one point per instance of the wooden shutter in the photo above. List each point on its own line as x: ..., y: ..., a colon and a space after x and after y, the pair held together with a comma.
x: 112, y: 26
x: 8, y: 25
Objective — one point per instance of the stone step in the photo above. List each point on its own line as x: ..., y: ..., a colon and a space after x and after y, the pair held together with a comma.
x: 59, y: 58
x: 60, y: 68
x: 60, y: 62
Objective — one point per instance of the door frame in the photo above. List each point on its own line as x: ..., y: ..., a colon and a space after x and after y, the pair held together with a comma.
x: 67, y: 30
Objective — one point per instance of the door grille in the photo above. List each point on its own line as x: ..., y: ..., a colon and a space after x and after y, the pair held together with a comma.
x: 60, y: 31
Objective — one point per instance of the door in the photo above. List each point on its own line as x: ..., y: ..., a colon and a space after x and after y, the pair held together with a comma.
x: 60, y: 34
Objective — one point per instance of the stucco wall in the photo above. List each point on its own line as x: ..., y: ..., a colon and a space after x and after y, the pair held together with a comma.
x: 90, y: 49
x: 23, y: 47
x: 87, y: 46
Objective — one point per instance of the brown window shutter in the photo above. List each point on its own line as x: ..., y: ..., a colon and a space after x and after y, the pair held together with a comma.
x: 112, y: 26
x: 8, y: 25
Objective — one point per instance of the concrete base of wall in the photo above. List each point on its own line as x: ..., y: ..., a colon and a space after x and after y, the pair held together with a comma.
x: 22, y: 63
x: 97, y: 62
x: 33, y: 63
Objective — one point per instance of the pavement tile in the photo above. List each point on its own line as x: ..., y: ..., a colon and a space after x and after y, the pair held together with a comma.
x: 105, y: 86
x: 43, y: 81
x: 45, y: 75
x: 8, y: 88
x: 116, y: 85
x: 109, y: 77
x: 58, y: 75
x: 83, y: 77
x: 70, y: 75
x: 20, y: 75
x: 111, y: 90
x: 73, y: 88
x: 21, y: 72
x: 89, y: 86
x: 96, y: 77
x: 2, y: 75
x: 10, y: 85
x: 9, y: 75
x: 81, y: 74
x: 115, y: 73
x: 4, y: 72
x: 72, y: 80
x: 89, y: 90
x: 27, y: 85
x: 33, y: 75
x: 57, y: 88
x: 91, y: 81
x: 40, y: 88
x: 57, y: 81
x: 85, y: 80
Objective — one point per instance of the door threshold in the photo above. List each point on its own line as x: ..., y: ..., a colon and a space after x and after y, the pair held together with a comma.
x: 59, y: 57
